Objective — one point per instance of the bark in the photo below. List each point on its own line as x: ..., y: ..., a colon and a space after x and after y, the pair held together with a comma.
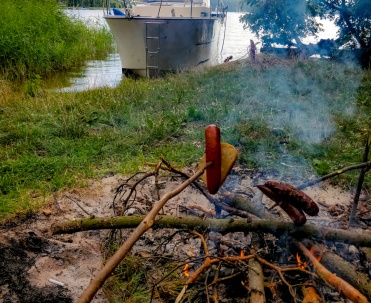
x: 252, y: 50
x: 253, y: 207
x: 256, y: 282
x: 277, y: 228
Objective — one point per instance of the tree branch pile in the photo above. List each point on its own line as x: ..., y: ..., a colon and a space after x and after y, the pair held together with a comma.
x: 246, y: 217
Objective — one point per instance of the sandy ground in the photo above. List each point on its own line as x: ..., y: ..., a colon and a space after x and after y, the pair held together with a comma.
x: 59, y: 268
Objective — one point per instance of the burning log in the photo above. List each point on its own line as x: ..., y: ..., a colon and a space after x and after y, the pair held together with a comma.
x: 343, y: 269
x: 342, y: 286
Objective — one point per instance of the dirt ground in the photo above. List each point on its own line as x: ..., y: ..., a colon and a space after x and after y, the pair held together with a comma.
x: 39, y: 267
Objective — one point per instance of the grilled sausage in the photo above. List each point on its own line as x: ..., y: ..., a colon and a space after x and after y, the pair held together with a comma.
x: 213, y: 154
x: 294, y: 196
x: 296, y: 214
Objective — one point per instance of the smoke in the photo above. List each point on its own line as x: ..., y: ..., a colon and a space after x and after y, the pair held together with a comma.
x: 298, y: 104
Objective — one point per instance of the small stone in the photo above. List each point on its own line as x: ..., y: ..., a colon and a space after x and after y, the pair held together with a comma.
x: 47, y: 211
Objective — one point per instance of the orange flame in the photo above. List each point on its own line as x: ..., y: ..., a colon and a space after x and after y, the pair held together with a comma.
x: 242, y: 254
x: 186, y: 270
x: 316, y: 253
x: 301, y: 264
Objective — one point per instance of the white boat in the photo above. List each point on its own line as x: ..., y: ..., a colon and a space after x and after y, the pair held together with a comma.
x: 157, y: 37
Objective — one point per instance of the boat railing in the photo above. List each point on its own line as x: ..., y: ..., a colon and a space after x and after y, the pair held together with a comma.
x: 110, y: 10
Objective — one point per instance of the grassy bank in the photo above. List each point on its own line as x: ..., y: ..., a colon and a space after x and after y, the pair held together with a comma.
x: 37, y: 39
x: 301, y: 119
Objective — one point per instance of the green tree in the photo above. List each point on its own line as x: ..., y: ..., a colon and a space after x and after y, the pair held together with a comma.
x: 287, y: 22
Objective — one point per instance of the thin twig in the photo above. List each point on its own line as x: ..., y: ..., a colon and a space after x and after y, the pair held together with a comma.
x: 366, y: 165
x: 83, y: 209
x: 203, y: 190
x: 215, y: 284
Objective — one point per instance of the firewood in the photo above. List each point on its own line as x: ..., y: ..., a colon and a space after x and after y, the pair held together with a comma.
x: 343, y: 269
x: 342, y: 286
x: 361, y: 178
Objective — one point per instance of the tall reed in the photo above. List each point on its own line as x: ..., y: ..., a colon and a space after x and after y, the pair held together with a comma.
x: 38, y: 38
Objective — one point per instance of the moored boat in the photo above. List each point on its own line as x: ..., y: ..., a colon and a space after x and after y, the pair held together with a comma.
x: 157, y: 37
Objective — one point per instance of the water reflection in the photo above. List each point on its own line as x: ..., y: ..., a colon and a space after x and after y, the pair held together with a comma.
x: 96, y: 73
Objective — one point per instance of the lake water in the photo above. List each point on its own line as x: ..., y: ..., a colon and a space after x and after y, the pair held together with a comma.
x: 233, y: 41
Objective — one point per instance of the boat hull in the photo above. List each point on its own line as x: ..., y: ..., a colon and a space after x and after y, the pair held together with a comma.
x: 152, y: 46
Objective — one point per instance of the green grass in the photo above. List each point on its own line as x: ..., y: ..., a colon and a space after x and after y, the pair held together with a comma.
x: 128, y: 282
x: 37, y: 39
x: 302, y: 119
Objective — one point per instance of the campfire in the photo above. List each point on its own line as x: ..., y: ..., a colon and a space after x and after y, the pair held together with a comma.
x: 240, y: 247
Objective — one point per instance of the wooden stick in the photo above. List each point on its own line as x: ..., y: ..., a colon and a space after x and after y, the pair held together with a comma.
x: 278, y: 228
x: 342, y: 286
x: 97, y: 282
x: 361, y: 179
x: 366, y: 165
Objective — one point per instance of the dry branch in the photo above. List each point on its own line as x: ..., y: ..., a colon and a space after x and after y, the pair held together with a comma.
x: 354, y: 236
x: 361, y: 179
x: 342, y: 286
x: 97, y: 282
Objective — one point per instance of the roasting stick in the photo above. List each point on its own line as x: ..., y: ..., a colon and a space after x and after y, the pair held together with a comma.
x: 97, y: 282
